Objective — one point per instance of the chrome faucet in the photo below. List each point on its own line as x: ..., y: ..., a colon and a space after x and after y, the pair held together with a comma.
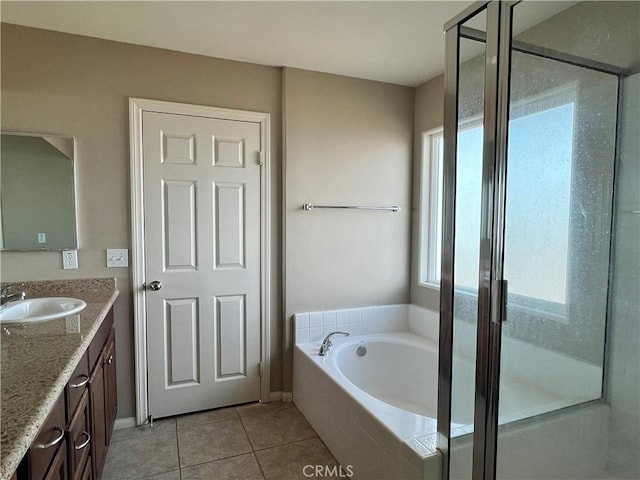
x: 6, y: 295
x: 326, y: 343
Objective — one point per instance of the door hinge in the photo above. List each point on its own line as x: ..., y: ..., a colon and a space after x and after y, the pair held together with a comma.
x: 260, y: 158
x: 261, y: 369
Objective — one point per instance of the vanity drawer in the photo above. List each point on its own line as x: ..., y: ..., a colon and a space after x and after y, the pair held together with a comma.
x: 95, y: 348
x: 79, y: 438
x: 78, y: 384
x: 47, y: 443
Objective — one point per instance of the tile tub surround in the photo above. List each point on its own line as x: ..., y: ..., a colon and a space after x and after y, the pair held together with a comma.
x: 37, y: 361
x: 354, y: 434
x: 314, y: 326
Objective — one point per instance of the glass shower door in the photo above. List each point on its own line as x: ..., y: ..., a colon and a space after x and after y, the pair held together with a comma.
x: 528, y: 207
x: 463, y: 190
x: 557, y: 230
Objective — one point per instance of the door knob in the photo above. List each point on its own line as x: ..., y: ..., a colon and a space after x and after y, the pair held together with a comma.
x: 155, y: 286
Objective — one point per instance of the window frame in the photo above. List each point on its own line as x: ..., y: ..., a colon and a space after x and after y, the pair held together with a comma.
x: 430, y: 208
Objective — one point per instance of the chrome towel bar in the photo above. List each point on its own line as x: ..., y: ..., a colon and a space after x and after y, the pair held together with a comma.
x: 308, y: 207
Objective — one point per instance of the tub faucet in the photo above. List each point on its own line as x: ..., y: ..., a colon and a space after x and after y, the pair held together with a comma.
x: 326, y: 343
x: 7, y: 296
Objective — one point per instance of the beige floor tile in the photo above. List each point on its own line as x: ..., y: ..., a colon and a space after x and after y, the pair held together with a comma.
x: 258, y: 408
x: 277, y: 428
x: 212, y: 441
x: 293, y: 461
x: 141, y: 457
x: 164, y: 425
x: 175, y: 475
x: 208, y: 416
x: 242, y: 467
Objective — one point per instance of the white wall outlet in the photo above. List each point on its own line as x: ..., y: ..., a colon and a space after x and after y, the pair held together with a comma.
x: 73, y: 323
x: 117, y: 257
x: 69, y: 259
x: 42, y: 238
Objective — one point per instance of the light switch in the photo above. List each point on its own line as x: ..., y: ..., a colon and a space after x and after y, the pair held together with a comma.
x: 70, y: 259
x: 42, y: 238
x: 117, y: 257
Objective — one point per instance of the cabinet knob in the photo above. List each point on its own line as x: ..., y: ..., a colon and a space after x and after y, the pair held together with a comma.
x: 109, y: 360
x: 53, y: 442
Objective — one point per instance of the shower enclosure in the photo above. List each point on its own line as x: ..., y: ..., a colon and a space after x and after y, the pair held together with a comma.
x: 540, y: 259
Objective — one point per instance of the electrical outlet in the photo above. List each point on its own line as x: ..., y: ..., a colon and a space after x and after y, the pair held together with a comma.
x: 42, y: 238
x: 117, y: 257
x: 73, y: 323
x: 70, y: 259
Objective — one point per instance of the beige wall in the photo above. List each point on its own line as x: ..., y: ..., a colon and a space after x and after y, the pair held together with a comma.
x: 347, y: 141
x: 428, y: 114
x: 73, y: 85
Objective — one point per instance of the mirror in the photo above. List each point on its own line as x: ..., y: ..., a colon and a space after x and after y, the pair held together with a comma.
x: 37, y: 192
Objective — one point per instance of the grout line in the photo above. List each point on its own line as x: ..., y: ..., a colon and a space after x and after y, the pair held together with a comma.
x: 264, y: 475
x: 207, y: 422
x: 217, y: 460
x: 247, y: 434
x: 315, y: 435
x: 285, y: 405
x: 178, y: 447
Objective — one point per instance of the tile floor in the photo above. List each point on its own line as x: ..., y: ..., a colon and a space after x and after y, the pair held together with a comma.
x: 256, y: 441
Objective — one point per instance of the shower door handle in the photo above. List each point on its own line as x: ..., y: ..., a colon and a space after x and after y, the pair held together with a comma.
x: 502, y: 290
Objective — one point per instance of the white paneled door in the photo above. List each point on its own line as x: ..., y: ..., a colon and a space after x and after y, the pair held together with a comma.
x: 201, y: 192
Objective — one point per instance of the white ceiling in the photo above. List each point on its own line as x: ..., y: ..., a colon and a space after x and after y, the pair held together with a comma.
x: 388, y: 41
x: 395, y: 42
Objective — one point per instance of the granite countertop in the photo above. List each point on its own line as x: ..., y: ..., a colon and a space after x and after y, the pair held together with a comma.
x: 38, y: 359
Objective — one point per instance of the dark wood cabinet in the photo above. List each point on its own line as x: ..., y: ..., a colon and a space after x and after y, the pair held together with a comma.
x: 98, y: 418
x: 48, y: 444
x: 79, y: 438
x: 102, y: 394
x: 72, y: 442
x: 58, y: 469
x: 111, y: 389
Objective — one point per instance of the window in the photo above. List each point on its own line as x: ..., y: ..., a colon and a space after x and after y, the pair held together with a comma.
x: 431, y: 207
x: 539, y: 198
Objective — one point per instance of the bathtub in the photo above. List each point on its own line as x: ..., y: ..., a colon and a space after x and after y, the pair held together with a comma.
x: 377, y: 413
x: 382, y: 429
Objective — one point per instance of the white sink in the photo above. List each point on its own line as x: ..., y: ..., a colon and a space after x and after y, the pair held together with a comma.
x: 40, y: 309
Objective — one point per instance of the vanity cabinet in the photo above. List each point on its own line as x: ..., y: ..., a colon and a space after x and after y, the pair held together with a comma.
x: 103, y: 397
x: 72, y: 442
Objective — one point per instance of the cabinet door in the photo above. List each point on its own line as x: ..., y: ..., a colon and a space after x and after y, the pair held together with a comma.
x: 58, y: 469
x: 111, y: 393
x: 87, y: 474
x: 98, y: 418
x: 79, y: 438
x: 47, y: 443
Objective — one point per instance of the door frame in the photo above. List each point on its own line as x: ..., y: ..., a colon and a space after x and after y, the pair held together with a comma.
x: 137, y: 106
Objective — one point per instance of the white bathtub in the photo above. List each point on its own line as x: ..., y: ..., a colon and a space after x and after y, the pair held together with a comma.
x: 377, y: 412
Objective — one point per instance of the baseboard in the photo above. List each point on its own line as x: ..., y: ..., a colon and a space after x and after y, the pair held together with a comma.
x: 276, y: 396
x: 124, y: 423
x: 281, y: 396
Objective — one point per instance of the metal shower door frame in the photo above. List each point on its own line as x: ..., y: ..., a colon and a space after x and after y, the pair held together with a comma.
x: 492, y: 287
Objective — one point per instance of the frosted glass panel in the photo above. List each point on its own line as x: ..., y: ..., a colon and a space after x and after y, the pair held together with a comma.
x: 559, y: 199
x: 467, y: 252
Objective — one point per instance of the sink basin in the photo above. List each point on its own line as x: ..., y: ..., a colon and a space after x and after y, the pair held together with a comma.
x: 40, y: 309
